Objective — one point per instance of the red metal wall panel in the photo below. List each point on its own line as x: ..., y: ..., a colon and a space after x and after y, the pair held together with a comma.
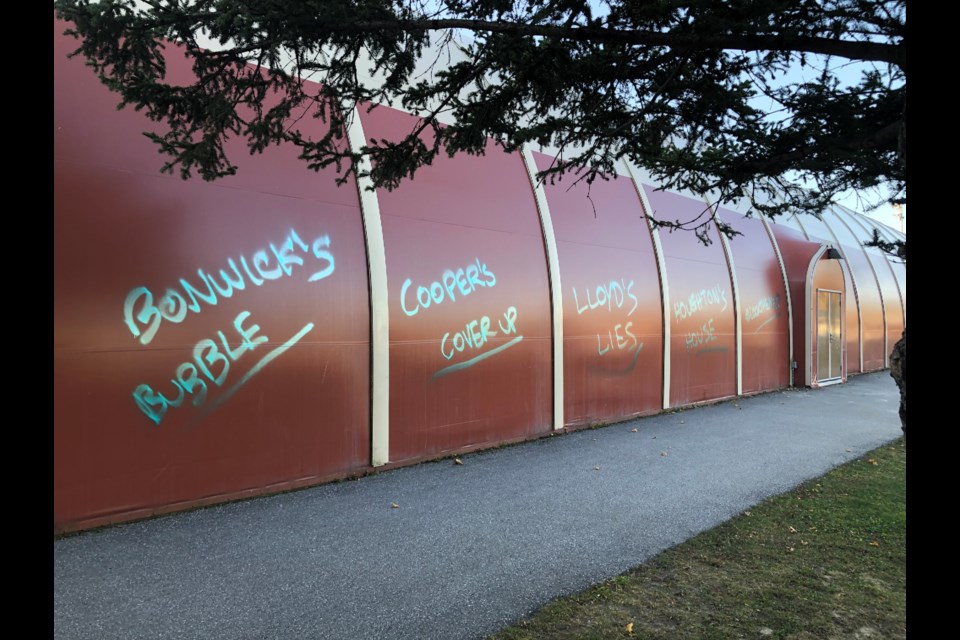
x: 469, y: 300
x: 612, y: 309
x: 703, y: 364
x: 210, y: 339
x: 764, y: 322
x: 797, y: 252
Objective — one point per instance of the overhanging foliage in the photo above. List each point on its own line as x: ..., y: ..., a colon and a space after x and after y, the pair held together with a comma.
x: 702, y: 94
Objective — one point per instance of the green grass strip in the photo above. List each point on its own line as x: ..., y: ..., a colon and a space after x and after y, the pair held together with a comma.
x: 825, y: 560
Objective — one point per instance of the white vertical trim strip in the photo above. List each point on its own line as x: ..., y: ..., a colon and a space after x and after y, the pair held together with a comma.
x: 903, y: 302
x: 885, y: 233
x: 796, y: 219
x: 883, y: 307
x: 886, y: 334
x: 379, y: 309
x: 847, y: 270
x: 786, y: 288
x: 553, y: 274
x: 812, y: 309
x: 738, y: 325
x: 664, y: 286
x: 890, y: 237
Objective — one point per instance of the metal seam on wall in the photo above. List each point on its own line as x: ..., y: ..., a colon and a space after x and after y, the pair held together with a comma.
x: 812, y: 303
x: 553, y: 274
x: 884, y: 232
x: 890, y: 237
x: 858, y: 219
x: 379, y: 308
x: 883, y: 306
x: 803, y: 230
x: 808, y: 312
x: 856, y: 298
x: 786, y: 288
x: 664, y: 287
x: 738, y: 324
x: 845, y: 268
x: 888, y: 233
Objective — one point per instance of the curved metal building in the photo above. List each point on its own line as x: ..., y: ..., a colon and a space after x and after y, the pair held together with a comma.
x: 272, y: 330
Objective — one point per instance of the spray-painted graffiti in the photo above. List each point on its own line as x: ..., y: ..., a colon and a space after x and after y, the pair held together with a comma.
x: 620, y: 342
x: 210, y: 368
x: 700, y: 336
x: 476, y: 333
x: 143, y: 316
x: 699, y: 300
x: 474, y: 336
x: 609, y: 296
x: 213, y: 359
x: 461, y: 282
x: 761, y: 307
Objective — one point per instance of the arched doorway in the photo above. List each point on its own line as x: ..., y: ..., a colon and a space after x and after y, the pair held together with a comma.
x: 826, y: 320
x: 829, y: 336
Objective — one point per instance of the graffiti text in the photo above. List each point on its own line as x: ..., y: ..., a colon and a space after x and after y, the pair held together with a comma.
x: 608, y: 295
x: 701, y: 336
x: 143, y: 312
x: 210, y: 365
x: 698, y: 300
x: 764, y: 305
x: 620, y: 338
x: 474, y: 335
x: 461, y: 282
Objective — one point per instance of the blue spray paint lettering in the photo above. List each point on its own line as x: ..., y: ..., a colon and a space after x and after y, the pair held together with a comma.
x: 153, y: 404
x: 615, y: 294
x: 229, y: 285
x: 510, y: 315
x: 762, y: 306
x: 616, y: 341
x: 461, y: 282
x: 700, y: 337
x: 610, y: 294
x: 210, y: 365
x: 320, y: 253
x: 143, y: 313
x: 475, y: 335
x: 698, y: 300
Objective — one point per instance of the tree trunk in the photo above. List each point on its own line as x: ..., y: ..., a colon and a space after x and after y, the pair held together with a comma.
x: 898, y: 369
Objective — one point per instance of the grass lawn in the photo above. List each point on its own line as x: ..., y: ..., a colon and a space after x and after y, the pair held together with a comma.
x: 826, y: 560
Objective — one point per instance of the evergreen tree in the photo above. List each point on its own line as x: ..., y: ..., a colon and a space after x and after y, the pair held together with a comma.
x: 704, y: 94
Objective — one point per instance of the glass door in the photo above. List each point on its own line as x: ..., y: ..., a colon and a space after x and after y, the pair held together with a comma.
x: 829, y: 338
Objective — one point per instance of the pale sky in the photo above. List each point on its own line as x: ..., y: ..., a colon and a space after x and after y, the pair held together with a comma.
x: 885, y: 213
